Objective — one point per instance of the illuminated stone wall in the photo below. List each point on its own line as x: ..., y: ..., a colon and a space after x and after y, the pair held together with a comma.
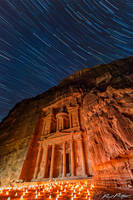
x: 61, y: 145
x: 106, y: 120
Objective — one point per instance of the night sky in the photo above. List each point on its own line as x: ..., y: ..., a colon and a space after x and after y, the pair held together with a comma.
x: 43, y: 41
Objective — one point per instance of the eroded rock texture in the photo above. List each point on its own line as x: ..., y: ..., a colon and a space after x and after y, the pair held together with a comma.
x: 106, y: 117
x: 108, y: 120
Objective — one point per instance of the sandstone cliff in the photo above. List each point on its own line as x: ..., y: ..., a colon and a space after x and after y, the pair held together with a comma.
x: 107, y: 118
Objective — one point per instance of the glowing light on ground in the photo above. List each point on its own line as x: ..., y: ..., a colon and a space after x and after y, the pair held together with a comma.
x: 50, y: 190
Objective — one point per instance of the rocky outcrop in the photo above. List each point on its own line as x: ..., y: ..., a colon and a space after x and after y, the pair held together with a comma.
x: 107, y: 118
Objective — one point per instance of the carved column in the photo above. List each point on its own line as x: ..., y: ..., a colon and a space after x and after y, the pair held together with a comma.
x: 70, y: 120
x: 72, y: 159
x: 81, y: 150
x: 90, y: 136
x: 37, y: 161
x: 43, y: 126
x: 45, y: 161
x: 52, y: 161
x: 57, y: 126
x: 41, y: 172
x: 62, y: 123
x: 58, y: 123
x: 64, y: 159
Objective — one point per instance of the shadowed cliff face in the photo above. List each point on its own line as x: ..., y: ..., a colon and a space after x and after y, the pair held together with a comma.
x: 107, y: 118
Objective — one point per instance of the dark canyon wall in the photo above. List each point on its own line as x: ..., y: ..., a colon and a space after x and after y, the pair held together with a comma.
x: 107, y: 118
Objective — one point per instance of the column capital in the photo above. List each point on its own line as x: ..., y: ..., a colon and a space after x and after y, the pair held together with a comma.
x: 45, y: 145
x: 71, y: 108
x: 39, y: 142
x: 78, y: 136
x: 43, y: 118
x: 79, y: 139
x: 71, y: 140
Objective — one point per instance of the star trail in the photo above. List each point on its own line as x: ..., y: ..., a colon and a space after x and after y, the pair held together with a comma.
x: 43, y: 41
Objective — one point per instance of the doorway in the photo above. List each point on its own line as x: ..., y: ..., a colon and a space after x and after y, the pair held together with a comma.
x: 48, y: 162
x: 67, y: 163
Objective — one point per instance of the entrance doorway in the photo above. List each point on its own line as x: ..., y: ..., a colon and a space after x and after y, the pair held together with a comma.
x: 48, y: 162
x: 67, y: 163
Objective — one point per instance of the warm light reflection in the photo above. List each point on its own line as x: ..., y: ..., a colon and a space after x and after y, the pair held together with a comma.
x: 51, y: 190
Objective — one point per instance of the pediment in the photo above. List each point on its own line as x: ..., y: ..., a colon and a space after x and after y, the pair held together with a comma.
x: 58, y: 134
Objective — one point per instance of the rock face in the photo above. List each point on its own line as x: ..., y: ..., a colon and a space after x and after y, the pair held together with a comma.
x: 106, y: 110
